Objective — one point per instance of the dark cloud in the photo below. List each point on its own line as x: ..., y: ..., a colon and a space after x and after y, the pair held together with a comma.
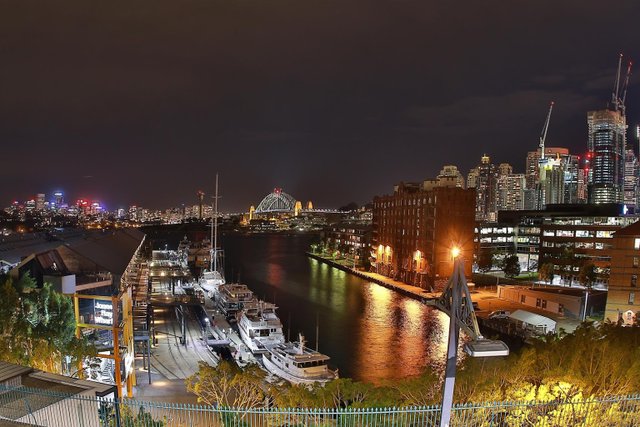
x: 332, y: 100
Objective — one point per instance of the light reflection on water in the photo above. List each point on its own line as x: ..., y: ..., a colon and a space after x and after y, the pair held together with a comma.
x: 370, y: 332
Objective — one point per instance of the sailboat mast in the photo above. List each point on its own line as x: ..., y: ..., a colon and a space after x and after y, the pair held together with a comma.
x: 214, y: 241
x: 317, y: 329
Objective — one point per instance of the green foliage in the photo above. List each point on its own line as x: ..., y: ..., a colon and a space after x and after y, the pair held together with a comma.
x: 228, y: 385
x: 588, y: 275
x: 546, y: 272
x: 128, y: 416
x: 568, y: 261
x: 576, y: 368
x: 37, y: 326
x: 511, y: 265
x: 485, y: 261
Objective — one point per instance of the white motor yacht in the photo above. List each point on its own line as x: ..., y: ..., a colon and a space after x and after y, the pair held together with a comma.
x: 260, y: 327
x: 232, y: 298
x: 211, y: 281
x: 298, y: 364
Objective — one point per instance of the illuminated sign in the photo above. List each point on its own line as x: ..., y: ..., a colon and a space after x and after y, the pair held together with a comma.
x: 103, y: 313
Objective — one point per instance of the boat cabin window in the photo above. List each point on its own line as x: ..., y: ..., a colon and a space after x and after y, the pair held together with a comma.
x: 309, y: 364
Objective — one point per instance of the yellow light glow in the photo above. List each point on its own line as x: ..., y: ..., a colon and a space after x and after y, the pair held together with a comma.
x: 455, y: 251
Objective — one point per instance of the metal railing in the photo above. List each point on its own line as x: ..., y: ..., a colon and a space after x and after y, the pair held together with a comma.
x: 47, y: 408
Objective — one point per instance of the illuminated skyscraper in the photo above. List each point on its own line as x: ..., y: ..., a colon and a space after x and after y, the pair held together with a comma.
x: 574, y: 180
x: 485, y: 178
x: 40, y: 198
x: 511, y: 192
x: 630, y: 178
x: 451, y: 173
x: 607, y: 141
x: 607, y: 144
x: 59, y: 198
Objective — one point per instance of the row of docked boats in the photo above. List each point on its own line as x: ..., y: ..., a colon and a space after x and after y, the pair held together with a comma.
x: 261, y: 331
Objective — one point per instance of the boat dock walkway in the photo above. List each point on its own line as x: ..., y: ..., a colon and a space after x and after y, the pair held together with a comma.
x: 405, y: 289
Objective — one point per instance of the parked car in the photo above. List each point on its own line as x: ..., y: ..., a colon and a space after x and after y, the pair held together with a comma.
x: 499, y: 314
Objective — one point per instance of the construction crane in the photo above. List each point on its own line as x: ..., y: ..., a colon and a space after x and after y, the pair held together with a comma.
x: 617, y: 101
x: 625, y: 86
x: 545, y: 128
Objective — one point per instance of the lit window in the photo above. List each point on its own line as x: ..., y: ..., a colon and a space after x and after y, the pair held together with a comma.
x: 636, y: 244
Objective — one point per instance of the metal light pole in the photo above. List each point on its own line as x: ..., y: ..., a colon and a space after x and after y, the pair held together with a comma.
x: 456, y: 302
x: 452, y: 355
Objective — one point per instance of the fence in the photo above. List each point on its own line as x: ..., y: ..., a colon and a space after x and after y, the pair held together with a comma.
x: 46, y: 408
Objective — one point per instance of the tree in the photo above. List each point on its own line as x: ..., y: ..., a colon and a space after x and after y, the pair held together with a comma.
x: 343, y: 393
x: 588, y: 275
x: 227, y: 385
x: 568, y: 261
x: 485, y: 260
x: 38, y: 326
x: 546, y: 272
x: 511, y: 265
x: 352, y: 206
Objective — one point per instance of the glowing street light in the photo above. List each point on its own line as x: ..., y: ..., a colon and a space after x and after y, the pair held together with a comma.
x: 455, y: 251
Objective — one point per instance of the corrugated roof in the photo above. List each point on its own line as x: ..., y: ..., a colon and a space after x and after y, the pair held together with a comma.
x: 112, y: 251
x: 10, y: 370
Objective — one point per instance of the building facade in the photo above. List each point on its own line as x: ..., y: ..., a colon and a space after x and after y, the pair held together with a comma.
x: 485, y: 179
x: 606, y: 145
x: 351, y: 238
x: 511, y: 192
x: 566, y: 236
x: 631, y: 169
x: 416, y: 227
x: 623, y: 300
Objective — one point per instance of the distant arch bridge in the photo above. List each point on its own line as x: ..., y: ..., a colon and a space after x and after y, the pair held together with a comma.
x: 277, y: 201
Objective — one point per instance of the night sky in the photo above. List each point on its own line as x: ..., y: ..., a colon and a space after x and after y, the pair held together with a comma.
x: 141, y: 102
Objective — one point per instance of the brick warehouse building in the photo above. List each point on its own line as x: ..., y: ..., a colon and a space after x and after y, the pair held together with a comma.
x: 622, y: 303
x: 415, y: 228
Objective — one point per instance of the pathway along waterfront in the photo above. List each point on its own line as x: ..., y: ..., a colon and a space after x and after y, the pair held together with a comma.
x: 371, y: 333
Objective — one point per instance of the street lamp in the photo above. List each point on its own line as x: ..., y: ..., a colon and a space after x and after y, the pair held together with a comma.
x: 456, y: 302
x: 455, y: 251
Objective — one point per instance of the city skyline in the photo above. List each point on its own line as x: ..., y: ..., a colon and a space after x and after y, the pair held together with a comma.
x: 332, y: 102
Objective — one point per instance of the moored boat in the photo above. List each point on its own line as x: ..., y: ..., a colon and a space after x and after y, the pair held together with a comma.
x: 260, y: 327
x: 298, y: 364
x: 232, y: 298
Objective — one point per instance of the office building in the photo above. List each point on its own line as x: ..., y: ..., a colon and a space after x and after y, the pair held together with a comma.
x: 484, y: 179
x: 631, y: 171
x: 511, y: 188
x: 450, y: 173
x: 606, y: 145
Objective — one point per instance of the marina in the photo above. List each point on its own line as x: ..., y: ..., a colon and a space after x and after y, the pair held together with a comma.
x: 208, y: 320
x: 355, y: 321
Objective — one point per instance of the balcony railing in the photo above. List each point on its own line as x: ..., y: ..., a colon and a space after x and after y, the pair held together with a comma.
x: 48, y: 408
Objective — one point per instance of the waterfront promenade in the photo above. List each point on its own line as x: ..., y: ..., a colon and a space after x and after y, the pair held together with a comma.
x: 486, y: 297
x: 405, y: 289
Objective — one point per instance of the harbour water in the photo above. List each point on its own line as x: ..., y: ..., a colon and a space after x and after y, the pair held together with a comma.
x: 372, y: 333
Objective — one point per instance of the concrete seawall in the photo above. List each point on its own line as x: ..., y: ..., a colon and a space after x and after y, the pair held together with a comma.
x: 407, y: 290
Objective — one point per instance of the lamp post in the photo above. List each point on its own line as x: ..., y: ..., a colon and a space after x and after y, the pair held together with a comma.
x: 456, y: 302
